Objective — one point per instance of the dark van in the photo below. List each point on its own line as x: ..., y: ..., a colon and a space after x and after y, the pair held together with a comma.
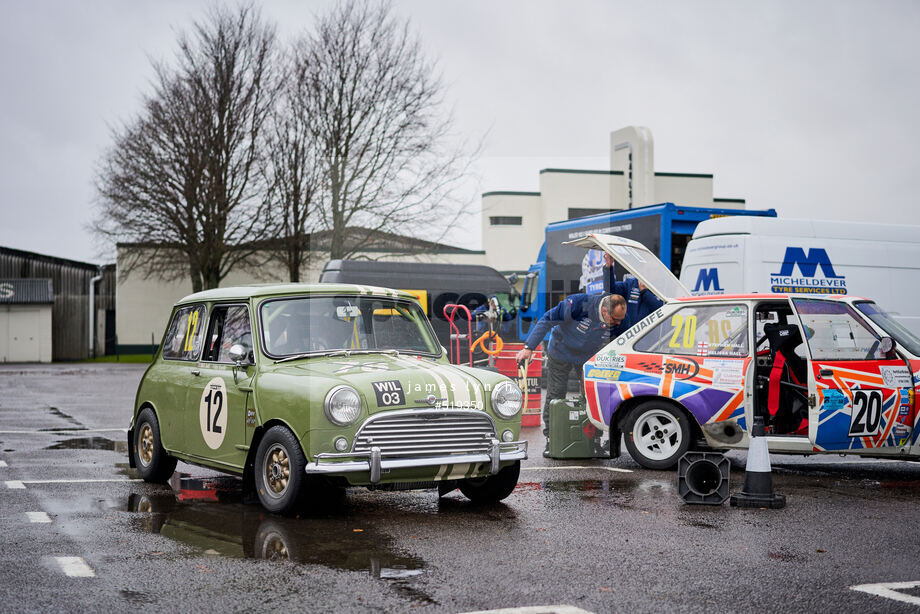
x: 435, y: 285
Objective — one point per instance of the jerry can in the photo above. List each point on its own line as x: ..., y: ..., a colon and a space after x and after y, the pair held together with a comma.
x: 571, y: 434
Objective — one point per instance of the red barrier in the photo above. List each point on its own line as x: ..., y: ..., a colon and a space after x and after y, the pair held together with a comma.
x: 507, y: 365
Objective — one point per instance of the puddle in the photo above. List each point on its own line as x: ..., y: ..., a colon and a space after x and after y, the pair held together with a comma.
x: 90, y: 443
x: 207, y: 514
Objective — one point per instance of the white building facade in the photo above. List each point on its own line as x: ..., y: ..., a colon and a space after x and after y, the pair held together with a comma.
x: 513, y: 223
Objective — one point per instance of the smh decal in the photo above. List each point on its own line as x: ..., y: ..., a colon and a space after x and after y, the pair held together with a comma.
x: 808, y: 281
x: 708, y: 282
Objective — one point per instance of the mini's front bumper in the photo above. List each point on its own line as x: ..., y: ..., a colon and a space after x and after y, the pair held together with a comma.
x: 374, y: 462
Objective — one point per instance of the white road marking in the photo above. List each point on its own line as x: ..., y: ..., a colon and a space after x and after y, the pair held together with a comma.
x: 90, y: 481
x: 75, y: 567
x: 3, y: 464
x: 38, y: 517
x: 536, y: 609
x: 13, y: 484
x: 59, y: 431
x: 888, y: 591
x: 548, y: 468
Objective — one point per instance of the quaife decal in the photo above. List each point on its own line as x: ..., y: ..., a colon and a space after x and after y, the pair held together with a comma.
x: 808, y: 281
x: 635, y: 330
x: 389, y: 393
x: 212, y: 413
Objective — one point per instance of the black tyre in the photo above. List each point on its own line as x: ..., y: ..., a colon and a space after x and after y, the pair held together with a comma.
x: 657, y: 434
x: 152, y: 462
x: 279, y: 471
x: 492, y: 488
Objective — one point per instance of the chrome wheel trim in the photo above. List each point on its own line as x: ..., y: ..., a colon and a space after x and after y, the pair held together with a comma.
x: 145, y: 445
x: 276, y: 471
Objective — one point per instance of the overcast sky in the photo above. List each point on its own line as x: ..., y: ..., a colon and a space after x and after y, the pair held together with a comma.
x: 812, y: 108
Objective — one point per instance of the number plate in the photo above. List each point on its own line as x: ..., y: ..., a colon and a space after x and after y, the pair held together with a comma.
x: 389, y: 393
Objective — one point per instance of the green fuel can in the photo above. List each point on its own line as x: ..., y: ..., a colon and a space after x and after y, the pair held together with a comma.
x: 571, y: 434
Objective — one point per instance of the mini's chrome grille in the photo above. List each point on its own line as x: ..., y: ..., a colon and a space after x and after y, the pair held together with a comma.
x: 426, y: 432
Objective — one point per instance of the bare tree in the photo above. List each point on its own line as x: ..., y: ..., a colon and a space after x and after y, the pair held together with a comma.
x: 182, y: 180
x: 292, y: 173
x: 378, y: 126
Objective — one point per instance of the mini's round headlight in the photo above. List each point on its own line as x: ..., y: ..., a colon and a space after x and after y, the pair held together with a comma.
x: 342, y: 405
x: 506, y: 399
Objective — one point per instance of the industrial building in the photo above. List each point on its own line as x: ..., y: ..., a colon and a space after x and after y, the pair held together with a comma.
x: 45, y: 307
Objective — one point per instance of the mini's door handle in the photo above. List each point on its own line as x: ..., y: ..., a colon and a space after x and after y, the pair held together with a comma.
x: 826, y: 373
x: 196, y: 372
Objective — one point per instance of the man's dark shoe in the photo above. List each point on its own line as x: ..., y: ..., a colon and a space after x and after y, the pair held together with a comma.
x: 546, y: 453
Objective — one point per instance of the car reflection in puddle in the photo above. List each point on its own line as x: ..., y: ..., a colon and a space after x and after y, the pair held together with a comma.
x: 209, y: 516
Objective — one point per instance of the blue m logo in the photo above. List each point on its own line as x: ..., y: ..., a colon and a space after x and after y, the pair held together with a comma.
x: 808, y: 263
x: 707, y: 278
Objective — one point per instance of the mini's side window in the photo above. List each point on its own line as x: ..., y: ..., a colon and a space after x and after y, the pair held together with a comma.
x: 712, y: 330
x: 185, y: 333
x: 229, y: 326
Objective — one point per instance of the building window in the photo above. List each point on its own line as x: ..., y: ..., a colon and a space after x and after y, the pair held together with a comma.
x: 584, y: 212
x: 505, y: 220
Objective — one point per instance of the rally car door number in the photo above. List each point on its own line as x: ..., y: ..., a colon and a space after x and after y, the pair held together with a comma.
x: 866, y: 417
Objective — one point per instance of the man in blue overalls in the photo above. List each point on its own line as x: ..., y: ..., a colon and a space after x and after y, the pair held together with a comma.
x: 582, y: 324
x: 639, y: 301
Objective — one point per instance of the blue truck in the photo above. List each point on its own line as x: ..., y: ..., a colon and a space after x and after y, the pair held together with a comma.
x: 561, y: 270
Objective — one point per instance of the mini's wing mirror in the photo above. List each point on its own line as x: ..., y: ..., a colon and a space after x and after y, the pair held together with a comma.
x: 238, y: 354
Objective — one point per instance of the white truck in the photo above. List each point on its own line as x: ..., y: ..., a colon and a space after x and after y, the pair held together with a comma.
x: 741, y: 255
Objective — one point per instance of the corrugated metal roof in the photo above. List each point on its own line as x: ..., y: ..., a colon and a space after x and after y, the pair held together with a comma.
x: 26, y: 292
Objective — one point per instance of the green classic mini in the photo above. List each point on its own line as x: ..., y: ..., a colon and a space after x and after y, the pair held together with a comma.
x: 284, y: 383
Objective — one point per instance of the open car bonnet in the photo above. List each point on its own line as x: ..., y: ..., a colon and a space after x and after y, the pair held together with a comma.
x: 639, y: 261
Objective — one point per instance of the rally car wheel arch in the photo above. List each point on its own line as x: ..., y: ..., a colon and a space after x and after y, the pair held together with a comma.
x: 279, y: 471
x: 657, y: 434
x: 152, y: 462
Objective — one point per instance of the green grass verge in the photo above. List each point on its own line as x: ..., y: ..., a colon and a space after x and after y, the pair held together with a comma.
x: 127, y: 358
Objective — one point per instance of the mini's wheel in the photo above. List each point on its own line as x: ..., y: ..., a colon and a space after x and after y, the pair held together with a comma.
x: 657, y: 435
x: 492, y: 488
x: 152, y: 462
x: 279, y: 471
x: 275, y: 542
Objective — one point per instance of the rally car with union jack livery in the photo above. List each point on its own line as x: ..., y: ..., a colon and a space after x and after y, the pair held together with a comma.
x: 830, y: 374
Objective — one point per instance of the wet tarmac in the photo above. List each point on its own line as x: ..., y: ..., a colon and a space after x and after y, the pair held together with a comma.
x: 602, y: 536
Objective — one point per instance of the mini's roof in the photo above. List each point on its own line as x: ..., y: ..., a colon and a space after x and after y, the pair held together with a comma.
x: 260, y: 290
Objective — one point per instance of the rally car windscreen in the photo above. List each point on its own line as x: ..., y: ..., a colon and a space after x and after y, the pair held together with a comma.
x: 890, y: 325
x: 320, y: 324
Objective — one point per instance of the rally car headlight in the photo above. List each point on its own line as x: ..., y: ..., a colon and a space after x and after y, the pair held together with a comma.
x: 342, y: 405
x: 506, y: 399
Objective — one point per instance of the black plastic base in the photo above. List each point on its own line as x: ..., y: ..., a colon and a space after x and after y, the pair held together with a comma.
x: 771, y: 501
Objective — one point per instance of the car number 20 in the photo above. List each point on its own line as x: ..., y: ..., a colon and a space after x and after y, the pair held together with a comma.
x: 866, y: 417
